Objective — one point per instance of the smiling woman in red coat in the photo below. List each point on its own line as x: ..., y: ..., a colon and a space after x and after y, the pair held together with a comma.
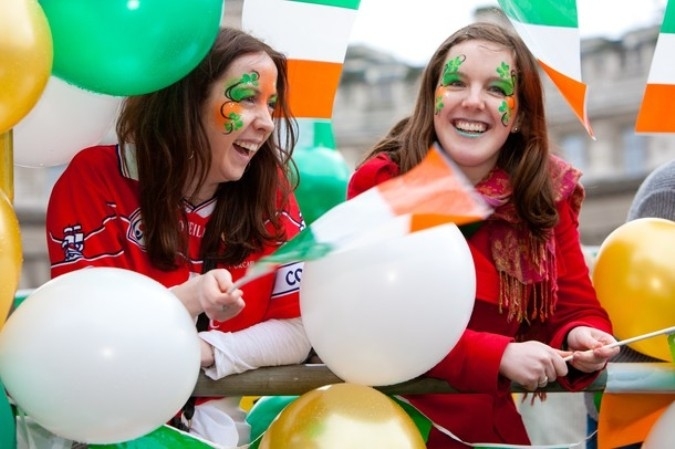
x: 481, y: 99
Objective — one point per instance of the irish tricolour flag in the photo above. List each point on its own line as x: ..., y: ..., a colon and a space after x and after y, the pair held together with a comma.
x: 314, y: 35
x: 657, y: 112
x: 432, y: 193
x: 550, y: 29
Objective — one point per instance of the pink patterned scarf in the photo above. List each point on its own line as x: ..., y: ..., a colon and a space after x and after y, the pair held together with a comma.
x: 527, y: 266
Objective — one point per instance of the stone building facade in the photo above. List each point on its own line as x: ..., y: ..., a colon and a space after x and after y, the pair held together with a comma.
x: 376, y: 90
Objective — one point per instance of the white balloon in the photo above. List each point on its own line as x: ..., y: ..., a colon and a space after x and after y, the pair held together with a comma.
x: 100, y: 355
x: 388, y: 310
x: 662, y: 433
x: 65, y: 120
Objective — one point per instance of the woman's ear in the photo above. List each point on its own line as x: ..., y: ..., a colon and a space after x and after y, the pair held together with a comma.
x: 516, y: 125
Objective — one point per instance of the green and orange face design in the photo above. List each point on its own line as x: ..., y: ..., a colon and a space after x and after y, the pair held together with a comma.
x: 449, y: 76
x: 506, y: 83
x: 236, y: 91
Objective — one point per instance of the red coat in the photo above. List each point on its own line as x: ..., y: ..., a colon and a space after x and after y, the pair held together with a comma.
x: 489, y: 414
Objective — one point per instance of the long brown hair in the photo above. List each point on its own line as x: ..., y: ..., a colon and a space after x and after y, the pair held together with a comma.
x: 171, y: 149
x: 525, y: 154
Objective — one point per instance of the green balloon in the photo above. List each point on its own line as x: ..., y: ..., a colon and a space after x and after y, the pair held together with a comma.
x: 322, y: 171
x: 129, y: 47
x: 7, y: 422
x: 19, y: 297
x: 263, y: 413
x: 324, y: 175
x: 422, y: 423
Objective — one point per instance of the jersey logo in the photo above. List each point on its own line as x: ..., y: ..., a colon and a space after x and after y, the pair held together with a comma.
x: 136, y: 229
x: 73, y: 242
x: 92, y: 244
x: 287, y: 279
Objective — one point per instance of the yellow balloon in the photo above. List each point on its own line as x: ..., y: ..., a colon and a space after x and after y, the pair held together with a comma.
x: 343, y: 416
x: 26, y: 53
x: 634, y: 277
x: 11, y: 256
x: 247, y: 402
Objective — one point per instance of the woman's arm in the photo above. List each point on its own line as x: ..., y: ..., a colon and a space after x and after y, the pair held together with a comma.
x: 270, y: 343
x: 579, y: 321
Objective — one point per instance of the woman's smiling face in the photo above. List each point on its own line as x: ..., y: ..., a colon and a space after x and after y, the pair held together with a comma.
x: 238, y: 116
x: 476, y: 105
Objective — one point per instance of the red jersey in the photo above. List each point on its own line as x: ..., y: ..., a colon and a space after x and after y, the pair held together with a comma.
x: 93, y: 219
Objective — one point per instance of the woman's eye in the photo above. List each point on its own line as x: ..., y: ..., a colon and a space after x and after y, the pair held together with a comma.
x: 497, y: 90
x: 454, y: 83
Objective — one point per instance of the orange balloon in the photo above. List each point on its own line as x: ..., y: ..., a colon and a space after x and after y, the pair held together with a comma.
x: 634, y: 277
x: 343, y: 416
x: 11, y: 256
x: 26, y: 53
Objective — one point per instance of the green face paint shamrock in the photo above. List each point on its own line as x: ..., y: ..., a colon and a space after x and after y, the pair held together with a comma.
x: 233, y: 122
x: 241, y: 89
x: 507, y: 82
x: 450, y: 75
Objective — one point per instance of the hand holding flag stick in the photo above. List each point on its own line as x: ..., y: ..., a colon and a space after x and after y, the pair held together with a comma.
x: 667, y: 330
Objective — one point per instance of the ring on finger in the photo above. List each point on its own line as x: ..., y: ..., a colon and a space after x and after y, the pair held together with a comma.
x: 543, y: 381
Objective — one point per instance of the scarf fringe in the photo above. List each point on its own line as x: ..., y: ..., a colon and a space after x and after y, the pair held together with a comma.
x: 525, y: 302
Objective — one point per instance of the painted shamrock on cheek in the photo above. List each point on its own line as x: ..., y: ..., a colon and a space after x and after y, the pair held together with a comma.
x: 449, y: 76
x: 506, y: 83
x: 236, y: 91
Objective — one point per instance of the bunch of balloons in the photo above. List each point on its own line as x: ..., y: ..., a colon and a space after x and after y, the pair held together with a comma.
x: 66, y: 65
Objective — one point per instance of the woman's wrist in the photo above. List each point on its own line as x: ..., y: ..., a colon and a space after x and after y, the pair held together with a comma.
x: 185, y: 294
x: 207, y: 354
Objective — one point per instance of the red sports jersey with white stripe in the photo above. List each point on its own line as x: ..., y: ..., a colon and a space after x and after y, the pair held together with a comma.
x: 93, y: 219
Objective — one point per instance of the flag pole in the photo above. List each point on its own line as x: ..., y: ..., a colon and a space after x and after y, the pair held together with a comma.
x: 667, y: 330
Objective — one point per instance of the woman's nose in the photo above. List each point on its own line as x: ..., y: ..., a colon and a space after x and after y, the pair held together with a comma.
x: 474, y: 99
x: 264, y: 121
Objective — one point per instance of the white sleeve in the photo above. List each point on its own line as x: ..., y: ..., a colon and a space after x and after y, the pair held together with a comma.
x: 270, y: 343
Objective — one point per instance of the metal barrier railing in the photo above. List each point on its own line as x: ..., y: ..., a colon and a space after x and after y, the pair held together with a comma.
x: 656, y: 378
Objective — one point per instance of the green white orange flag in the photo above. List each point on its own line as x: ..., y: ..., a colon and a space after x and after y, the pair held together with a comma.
x: 432, y: 193
x: 657, y: 111
x: 314, y: 35
x: 550, y: 29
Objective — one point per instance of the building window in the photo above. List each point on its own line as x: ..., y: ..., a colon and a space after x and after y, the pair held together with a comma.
x: 634, y: 152
x: 575, y: 151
